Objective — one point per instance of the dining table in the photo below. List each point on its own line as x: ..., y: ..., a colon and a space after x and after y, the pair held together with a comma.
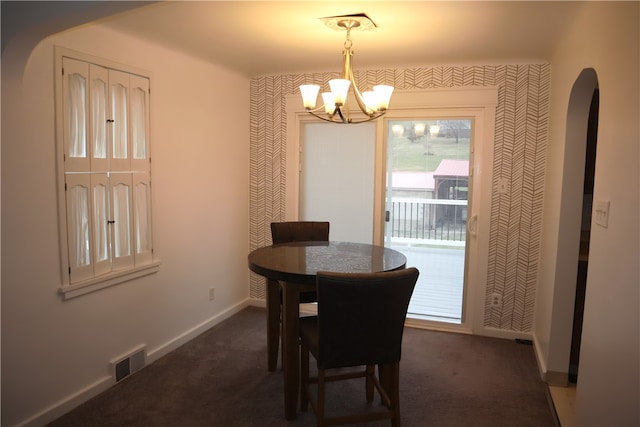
x: 294, y: 266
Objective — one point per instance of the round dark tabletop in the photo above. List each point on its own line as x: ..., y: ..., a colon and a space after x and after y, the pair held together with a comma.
x: 299, y: 262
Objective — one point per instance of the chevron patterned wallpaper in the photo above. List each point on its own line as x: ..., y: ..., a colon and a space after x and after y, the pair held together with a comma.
x: 519, y: 156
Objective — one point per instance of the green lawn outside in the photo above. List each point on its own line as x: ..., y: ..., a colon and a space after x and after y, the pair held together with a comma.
x: 410, y: 156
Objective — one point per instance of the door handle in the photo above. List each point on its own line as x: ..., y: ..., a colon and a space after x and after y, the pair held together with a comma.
x: 472, y: 225
x: 387, y: 216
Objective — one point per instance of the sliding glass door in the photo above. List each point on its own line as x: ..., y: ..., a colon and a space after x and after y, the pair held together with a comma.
x: 428, y: 185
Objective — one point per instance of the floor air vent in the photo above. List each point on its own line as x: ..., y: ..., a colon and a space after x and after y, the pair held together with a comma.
x: 126, y: 365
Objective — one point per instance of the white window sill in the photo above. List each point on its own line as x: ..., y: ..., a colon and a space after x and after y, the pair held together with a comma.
x: 97, y: 283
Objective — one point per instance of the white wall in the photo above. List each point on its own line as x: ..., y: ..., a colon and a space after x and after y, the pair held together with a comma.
x: 604, y: 36
x: 53, y: 349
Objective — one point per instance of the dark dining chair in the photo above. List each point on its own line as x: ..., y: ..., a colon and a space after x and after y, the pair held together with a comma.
x: 360, y: 323
x: 287, y: 232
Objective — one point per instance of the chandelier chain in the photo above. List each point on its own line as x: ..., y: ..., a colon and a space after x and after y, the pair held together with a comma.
x: 348, y: 43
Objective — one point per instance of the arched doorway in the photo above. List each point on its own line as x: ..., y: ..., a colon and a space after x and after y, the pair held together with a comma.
x: 585, y: 235
x: 574, y: 206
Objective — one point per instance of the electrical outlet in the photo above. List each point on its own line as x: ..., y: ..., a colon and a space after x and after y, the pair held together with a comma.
x: 496, y: 300
x: 212, y: 294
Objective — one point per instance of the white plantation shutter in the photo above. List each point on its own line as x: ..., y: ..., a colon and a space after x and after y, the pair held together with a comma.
x: 105, y: 143
x: 99, y: 81
x: 75, y: 112
x: 121, y: 214
x: 77, y: 118
x: 119, y: 108
x: 79, y: 226
x: 142, y: 218
x: 101, y: 215
x: 139, y: 123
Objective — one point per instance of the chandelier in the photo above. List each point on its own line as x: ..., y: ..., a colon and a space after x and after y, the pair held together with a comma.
x: 373, y: 104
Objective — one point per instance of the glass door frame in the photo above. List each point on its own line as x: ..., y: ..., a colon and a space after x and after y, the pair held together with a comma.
x: 477, y: 104
x: 433, y: 115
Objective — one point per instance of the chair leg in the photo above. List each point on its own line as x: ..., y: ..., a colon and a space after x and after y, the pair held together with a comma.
x: 320, y: 401
x: 273, y: 322
x: 370, y: 386
x: 382, y: 378
x: 304, y: 378
x: 390, y: 381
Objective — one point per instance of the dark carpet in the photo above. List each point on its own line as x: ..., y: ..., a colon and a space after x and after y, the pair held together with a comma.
x: 220, y: 379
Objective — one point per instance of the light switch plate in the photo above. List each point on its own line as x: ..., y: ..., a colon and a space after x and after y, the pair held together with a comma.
x: 503, y: 186
x: 601, y: 212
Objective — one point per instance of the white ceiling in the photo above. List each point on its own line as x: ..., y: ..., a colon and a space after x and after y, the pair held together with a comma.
x: 258, y: 38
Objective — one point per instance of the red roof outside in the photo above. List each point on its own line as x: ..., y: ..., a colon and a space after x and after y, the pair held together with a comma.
x: 451, y: 167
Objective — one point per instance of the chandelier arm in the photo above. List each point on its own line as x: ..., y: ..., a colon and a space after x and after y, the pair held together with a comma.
x: 344, y: 119
x: 347, y: 74
x: 358, y: 95
x: 314, y: 111
x: 332, y: 119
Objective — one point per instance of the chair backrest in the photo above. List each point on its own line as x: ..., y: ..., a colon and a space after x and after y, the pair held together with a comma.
x: 361, y: 316
x: 299, y: 231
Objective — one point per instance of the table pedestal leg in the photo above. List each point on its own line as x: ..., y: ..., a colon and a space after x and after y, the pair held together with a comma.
x: 291, y: 353
x: 273, y: 323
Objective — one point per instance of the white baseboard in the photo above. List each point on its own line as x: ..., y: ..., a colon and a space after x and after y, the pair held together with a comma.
x: 60, y: 408
x: 257, y: 303
x: 190, y: 334
x: 552, y: 378
x: 503, y: 333
x: 558, y: 379
x: 542, y: 364
x: 76, y: 399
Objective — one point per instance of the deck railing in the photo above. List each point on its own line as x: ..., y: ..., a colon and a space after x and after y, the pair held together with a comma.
x: 432, y: 221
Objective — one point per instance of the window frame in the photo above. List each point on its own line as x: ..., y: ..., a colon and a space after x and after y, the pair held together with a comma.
x: 147, y: 264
